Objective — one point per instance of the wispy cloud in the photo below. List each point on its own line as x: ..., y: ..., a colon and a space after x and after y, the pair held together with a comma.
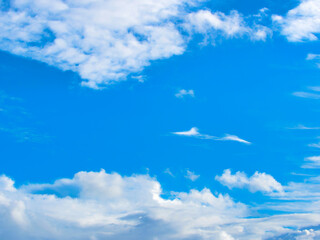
x: 194, y: 132
x: 168, y: 171
x: 315, y: 145
x: 184, y: 93
x: 307, y: 95
x: 235, y: 138
x: 312, y: 56
x: 191, y: 175
x: 312, y: 162
x: 302, y: 127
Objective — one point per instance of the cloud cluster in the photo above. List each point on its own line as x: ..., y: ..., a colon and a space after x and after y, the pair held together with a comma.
x: 98, y: 205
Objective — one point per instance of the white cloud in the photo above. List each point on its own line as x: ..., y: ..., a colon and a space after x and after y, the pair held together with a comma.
x: 312, y: 162
x: 232, y: 25
x: 302, y: 127
x: 184, y: 93
x: 301, y: 23
x: 229, y: 137
x: 194, y: 132
x: 97, y: 205
x: 192, y: 176
x: 103, y: 40
x: 315, y: 145
x: 257, y: 182
x: 315, y: 88
x: 307, y: 95
x: 312, y: 56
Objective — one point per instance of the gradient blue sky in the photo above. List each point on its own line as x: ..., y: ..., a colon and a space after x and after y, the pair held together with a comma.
x: 262, y: 90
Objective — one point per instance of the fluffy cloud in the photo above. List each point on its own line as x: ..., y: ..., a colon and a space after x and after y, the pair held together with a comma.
x: 257, y: 182
x: 103, y: 40
x: 301, y: 23
x: 233, y: 25
x: 98, y: 205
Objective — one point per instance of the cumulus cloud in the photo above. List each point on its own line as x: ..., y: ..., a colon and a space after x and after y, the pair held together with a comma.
x: 261, y: 182
x: 301, y: 23
x: 194, y: 132
x: 98, y: 205
x: 103, y: 40
x: 184, y: 93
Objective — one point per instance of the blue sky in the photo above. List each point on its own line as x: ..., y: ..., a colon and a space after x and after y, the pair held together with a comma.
x: 215, y: 101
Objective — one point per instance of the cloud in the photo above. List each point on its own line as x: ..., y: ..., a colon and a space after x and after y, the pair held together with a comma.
x: 168, y: 171
x: 184, y: 93
x: 312, y: 162
x: 301, y: 23
x: 258, y: 182
x: 194, y: 132
x: 307, y: 95
x: 312, y: 56
x: 99, y: 205
x: 192, y: 176
x: 229, y: 137
x: 302, y: 127
x: 105, y: 41
x: 315, y: 145
x: 232, y: 25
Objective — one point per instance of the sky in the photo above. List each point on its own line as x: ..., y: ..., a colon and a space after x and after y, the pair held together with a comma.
x: 159, y: 120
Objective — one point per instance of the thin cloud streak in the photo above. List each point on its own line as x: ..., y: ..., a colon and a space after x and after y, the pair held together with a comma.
x: 194, y: 132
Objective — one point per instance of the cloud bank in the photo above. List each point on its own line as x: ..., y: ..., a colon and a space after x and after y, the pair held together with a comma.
x: 98, y: 205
